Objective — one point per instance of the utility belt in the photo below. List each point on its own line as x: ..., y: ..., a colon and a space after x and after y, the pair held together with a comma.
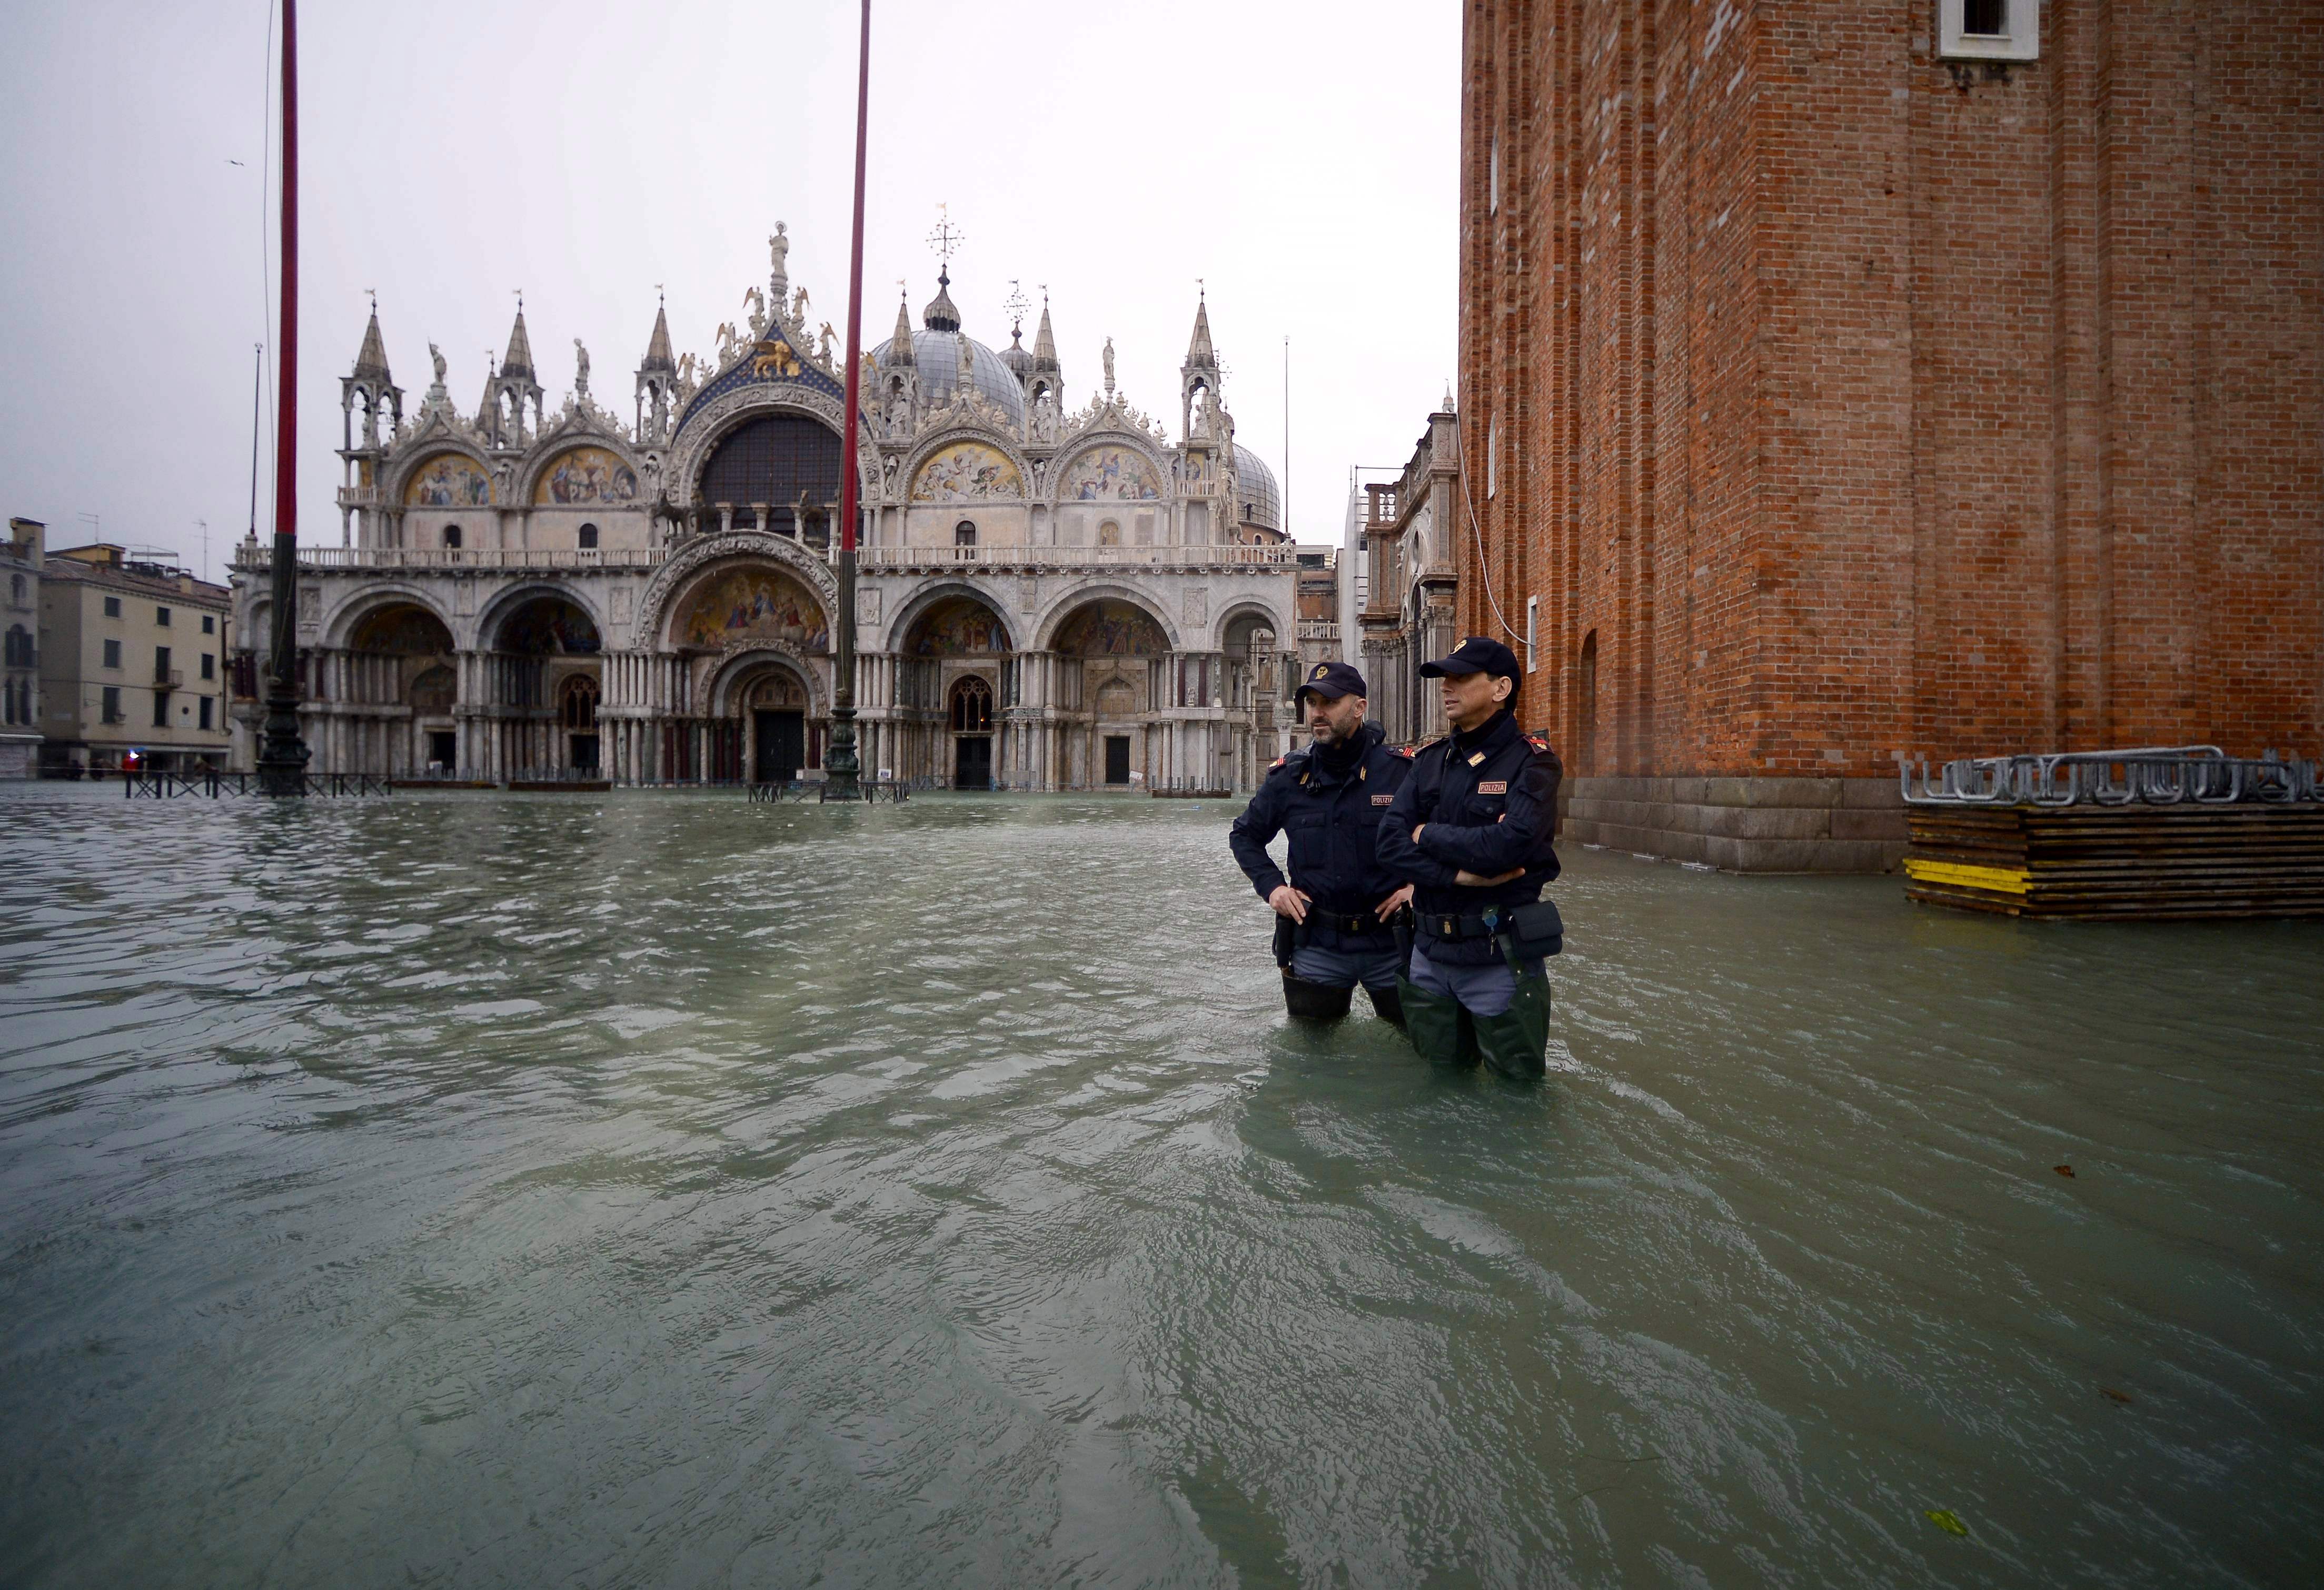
x: 1290, y: 936
x: 1525, y: 932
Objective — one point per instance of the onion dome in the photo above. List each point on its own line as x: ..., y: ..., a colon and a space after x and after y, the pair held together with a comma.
x: 1019, y: 362
x: 941, y: 315
x: 938, y: 355
x: 1259, y: 500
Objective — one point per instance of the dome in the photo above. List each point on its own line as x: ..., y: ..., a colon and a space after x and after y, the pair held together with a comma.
x: 1260, y: 501
x: 937, y: 355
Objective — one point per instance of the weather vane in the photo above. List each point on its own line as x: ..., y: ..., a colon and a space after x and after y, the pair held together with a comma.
x: 947, y: 238
x: 1016, y: 304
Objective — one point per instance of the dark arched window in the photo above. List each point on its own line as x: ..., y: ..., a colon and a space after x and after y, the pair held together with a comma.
x: 964, y: 534
x: 588, y: 538
x: 972, y: 706
x: 452, y: 537
x: 777, y: 459
x: 1585, y: 692
x: 580, y: 701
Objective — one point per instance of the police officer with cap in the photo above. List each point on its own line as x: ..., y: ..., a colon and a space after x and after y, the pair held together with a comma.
x: 1472, y: 829
x: 1336, y: 915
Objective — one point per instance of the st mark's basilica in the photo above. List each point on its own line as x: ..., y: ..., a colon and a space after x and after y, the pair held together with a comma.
x: 1048, y: 598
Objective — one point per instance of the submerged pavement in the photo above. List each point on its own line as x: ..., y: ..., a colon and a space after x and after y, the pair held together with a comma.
x: 659, y: 1189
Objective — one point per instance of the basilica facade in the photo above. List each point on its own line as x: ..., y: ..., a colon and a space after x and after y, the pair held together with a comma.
x: 1048, y: 598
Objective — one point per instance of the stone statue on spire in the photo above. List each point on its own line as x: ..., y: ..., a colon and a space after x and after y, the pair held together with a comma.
x: 1109, y: 367
x: 580, y: 370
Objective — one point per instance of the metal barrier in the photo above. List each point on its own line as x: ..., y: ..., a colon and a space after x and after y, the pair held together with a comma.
x: 2145, y: 775
x: 212, y: 784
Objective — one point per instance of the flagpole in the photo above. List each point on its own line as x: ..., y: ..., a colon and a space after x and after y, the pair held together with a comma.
x: 282, y: 755
x: 841, y: 769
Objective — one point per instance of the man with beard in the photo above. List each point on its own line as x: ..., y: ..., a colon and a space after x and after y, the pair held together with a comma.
x: 1336, y: 914
x: 1472, y: 828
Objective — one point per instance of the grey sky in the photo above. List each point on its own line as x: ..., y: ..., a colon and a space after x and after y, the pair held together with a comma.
x: 1298, y: 158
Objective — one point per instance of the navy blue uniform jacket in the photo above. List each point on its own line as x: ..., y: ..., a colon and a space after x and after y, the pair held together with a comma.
x: 1489, y: 802
x: 1332, y: 816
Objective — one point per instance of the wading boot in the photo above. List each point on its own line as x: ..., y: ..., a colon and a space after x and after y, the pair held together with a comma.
x: 1437, y: 1025
x: 1515, y: 1043
x: 1386, y: 1004
x: 1315, y: 1002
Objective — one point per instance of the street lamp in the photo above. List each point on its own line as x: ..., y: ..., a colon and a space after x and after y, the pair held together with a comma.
x: 841, y: 771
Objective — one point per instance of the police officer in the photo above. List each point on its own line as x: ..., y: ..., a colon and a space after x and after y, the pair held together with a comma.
x: 1472, y: 829
x: 1336, y: 915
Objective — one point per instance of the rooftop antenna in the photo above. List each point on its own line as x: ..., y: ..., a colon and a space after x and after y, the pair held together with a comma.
x: 205, y: 525
x: 257, y: 390
x: 1286, y: 526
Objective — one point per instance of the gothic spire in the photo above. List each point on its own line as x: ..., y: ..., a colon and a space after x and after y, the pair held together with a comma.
x: 371, y: 360
x: 518, y: 358
x: 657, y: 355
x: 900, y: 347
x: 1199, y: 354
x: 1045, y: 343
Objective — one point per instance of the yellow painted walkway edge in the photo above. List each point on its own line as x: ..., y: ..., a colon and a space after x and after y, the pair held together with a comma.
x: 2004, y: 880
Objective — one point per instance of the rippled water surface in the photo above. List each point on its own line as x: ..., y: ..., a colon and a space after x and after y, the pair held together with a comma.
x: 661, y: 1189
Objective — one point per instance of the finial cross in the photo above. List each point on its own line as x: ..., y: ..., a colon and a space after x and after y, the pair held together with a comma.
x: 947, y: 238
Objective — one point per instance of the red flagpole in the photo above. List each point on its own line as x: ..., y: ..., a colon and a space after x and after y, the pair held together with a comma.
x: 841, y: 767
x: 283, y: 753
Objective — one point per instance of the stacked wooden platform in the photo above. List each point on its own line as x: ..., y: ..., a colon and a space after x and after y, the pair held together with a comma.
x: 2135, y: 862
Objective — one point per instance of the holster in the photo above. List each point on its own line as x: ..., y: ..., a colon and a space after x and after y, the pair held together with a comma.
x: 1286, y: 939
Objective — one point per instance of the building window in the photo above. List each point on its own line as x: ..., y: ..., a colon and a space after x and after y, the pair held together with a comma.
x: 452, y: 537
x: 588, y: 538
x: 113, y: 654
x: 209, y: 665
x: 113, y: 606
x: 580, y: 702
x: 160, y: 710
x: 209, y: 704
x: 964, y: 534
x: 20, y: 646
x: 1533, y: 617
x: 1493, y: 456
x: 16, y: 589
x: 1493, y: 179
x: 109, y: 708
x: 209, y: 624
x: 972, y: 706
x: 161, y: 616
x: 1989, y: 30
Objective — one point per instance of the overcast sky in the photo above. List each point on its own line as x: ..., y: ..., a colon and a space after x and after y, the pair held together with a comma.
x: 1298, y: 158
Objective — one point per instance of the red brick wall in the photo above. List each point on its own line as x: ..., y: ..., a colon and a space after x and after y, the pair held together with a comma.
x: 1857, y: 402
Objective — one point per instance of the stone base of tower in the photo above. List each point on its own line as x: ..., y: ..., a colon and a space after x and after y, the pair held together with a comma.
x: 1764, y: 825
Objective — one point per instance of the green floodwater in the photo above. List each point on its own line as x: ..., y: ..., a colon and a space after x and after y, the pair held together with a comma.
x: 661, y: 1189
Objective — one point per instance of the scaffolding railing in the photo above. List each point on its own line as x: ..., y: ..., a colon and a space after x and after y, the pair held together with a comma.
x: 2144, y: 775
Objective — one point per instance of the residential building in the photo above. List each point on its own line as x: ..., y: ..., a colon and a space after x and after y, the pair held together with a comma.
x: 133, y: 663
x: 1410, y: 526
x: 20, y: 683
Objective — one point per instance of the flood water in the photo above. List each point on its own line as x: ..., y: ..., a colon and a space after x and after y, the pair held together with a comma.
x: 661, y: 1189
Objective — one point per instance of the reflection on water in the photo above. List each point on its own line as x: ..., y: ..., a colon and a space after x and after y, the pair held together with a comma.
x: 665, y: 1190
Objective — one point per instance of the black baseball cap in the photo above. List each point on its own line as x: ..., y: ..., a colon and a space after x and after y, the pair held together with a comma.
x: 1475, y: 655
x: 1331, y: 680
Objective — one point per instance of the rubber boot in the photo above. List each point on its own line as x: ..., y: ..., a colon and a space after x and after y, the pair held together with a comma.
x: 1437, y: 1025
x: 1515, y: 1043
x: 1386, y: 1004
x: 1315, y: 1002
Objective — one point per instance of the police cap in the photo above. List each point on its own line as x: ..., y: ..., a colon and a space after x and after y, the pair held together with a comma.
x: 1331, y: 680
x: 1475, y: 655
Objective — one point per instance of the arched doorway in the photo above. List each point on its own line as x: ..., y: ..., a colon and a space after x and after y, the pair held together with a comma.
x: 399, y: 661
x: 1113, y: 657
x: 971, y: 733
x: 775, y: 704
x: 540, y: 648
x: 577, y: 704
x: 946, y: 708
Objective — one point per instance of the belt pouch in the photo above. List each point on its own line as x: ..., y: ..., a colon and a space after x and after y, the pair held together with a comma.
x: 1537, y: 929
